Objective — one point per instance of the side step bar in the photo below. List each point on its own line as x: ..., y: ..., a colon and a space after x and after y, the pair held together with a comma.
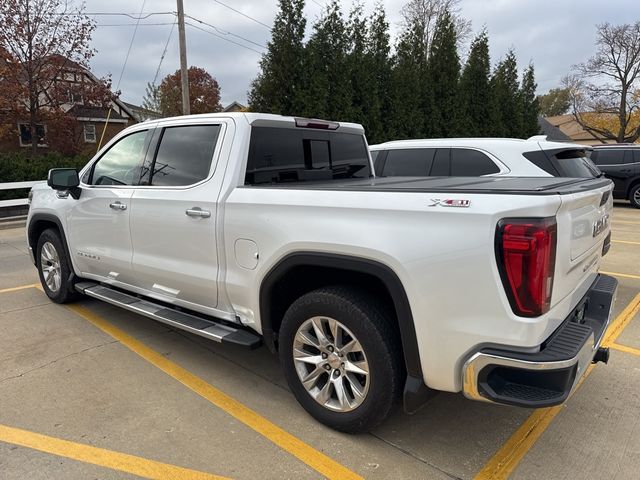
x: 184, y: 321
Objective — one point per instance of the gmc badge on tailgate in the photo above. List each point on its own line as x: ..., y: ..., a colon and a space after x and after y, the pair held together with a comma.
x: 600, y: 224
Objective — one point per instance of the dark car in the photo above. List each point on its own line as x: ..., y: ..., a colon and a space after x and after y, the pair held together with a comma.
x: 621, y: 163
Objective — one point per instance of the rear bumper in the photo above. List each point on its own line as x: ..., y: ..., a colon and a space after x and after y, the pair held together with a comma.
x: 547, y: 377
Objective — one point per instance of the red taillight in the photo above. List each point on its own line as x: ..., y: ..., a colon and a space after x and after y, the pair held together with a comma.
x: 526, y: 251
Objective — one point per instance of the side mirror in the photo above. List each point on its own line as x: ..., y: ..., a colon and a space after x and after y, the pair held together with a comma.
x: 65, y: 179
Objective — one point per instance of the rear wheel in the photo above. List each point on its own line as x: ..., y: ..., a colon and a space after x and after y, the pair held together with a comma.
x: 341, y: 357
x: 634, y: 196
x: 54, y: 268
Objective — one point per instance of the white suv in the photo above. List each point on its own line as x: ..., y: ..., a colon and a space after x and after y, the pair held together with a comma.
x: 473, y: 157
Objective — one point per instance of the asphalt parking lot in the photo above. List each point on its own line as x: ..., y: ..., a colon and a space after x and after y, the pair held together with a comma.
x: 91, y: 391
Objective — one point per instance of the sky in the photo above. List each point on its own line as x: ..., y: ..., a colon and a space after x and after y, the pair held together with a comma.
x: 552, y: 34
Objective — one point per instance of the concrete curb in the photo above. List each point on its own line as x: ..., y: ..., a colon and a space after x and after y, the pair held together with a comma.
x: 13, y: 222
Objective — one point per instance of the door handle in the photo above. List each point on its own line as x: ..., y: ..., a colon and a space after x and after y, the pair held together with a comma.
x: 117, y: 206
x: 198, y: 212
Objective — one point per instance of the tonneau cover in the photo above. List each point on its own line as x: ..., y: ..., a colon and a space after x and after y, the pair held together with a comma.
x: 486, y: 185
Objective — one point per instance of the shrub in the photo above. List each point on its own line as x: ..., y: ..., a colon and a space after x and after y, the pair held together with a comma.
x: 22, y: 167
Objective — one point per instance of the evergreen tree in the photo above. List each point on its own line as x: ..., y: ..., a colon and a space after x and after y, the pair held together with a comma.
x: 327, y: 86
x: 530, y: 106
x: 360, y: 67
x: 276, y: 89
x: 506, y: 107
x: 444, y: 71
x: 409, y: 87
x: 379, y: 103
x: 475, y: 93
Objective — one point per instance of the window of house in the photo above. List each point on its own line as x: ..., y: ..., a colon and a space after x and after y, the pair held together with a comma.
x: 185, y: 154
x: 471, y: 163
x: 89, y: 133
x: 25, y: 135
x: 122, y: 163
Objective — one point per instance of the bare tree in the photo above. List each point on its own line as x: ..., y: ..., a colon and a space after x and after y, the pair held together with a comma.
x: 423, y: 15
x: 605, y: 90
x: 41, y: 40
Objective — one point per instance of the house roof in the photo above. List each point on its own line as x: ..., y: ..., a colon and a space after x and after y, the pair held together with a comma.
x: 551, y: 131
x: 234, y: 107
x: 88, y: 111
x: 141, y: 113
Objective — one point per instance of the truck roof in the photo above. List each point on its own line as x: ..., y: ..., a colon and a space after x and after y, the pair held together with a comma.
x: 262, y: 120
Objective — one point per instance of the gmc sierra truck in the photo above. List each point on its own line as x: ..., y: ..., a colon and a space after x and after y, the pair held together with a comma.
x: 253, y: 229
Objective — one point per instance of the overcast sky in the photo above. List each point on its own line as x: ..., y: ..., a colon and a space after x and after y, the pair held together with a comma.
x: 553, y: 34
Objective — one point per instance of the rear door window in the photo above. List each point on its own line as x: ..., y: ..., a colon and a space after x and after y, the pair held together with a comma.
x: 608, y: 156
x: 184, y: 155
x: 466, y: 162
x: 415, y: 162
x: 279, y: 155
x: 441, y: 164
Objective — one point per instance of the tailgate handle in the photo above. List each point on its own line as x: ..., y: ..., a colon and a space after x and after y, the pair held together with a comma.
x: 198, y: 212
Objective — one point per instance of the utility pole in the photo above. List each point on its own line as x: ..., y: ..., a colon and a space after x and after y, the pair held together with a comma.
x: 184, y: 74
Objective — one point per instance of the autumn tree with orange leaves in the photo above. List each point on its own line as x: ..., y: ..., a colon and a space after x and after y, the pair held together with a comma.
x: 40, y: 42
x: 204, y: 93
x: 605, y: 90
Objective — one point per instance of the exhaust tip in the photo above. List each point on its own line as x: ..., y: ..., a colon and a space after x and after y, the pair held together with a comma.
x: 602, y: 355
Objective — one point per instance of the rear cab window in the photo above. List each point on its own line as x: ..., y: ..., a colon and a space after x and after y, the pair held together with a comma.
x: 564, y: 162
x: 284, y: 155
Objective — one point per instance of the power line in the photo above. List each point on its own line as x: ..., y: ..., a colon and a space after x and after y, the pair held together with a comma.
x: 243, y: 14
x: 134, y: 16
x: 133, y: 24
x: 223, y: 38
x: 133, y: 37
x: 224, y: 32
x: 164, y: 52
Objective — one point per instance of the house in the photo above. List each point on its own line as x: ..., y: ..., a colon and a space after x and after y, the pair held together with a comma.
x: 568, y: 127
x: 142, y: 114
x: 71, y: 96
x: 235, y: 107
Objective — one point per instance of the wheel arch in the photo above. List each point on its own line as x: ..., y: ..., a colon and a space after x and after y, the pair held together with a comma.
x: 40, y: 222
x: 273, y: 304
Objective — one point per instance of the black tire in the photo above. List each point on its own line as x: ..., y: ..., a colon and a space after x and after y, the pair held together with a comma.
x: 373, y: 328
x: 62, y: 294
x: 634, y: 196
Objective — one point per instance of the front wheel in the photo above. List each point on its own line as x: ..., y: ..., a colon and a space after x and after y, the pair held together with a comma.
x: 54, y: 269
x: 341, y: 357
x: 634, y: 196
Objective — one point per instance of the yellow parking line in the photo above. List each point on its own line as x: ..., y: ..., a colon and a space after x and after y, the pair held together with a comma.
x: 626, y: 241
x: 122, y: 462
x: 624, y: 348
x: 283, y: 439
x: 22, y: 287
x: 507, y: 458
x: 623, y: 275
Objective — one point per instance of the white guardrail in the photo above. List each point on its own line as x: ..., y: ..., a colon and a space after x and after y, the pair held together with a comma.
x: 18, y: 202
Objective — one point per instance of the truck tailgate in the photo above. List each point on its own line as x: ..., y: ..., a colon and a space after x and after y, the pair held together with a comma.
x: 583, y: 228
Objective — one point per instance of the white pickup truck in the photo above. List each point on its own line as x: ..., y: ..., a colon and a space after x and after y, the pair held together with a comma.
x: 255, y: 229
